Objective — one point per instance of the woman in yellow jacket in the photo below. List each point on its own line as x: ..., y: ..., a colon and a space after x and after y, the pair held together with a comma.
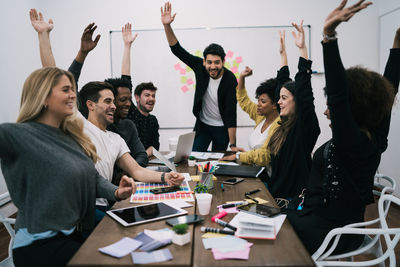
x: 265, y: 115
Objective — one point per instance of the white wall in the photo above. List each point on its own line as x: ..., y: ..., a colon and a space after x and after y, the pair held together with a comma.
x: 19, y: 53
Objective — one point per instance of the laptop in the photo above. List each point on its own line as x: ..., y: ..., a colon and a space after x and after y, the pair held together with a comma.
x: 183, y: 149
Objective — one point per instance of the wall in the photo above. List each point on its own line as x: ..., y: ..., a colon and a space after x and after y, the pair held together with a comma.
x: 19, y: 53
x: 389, y: 12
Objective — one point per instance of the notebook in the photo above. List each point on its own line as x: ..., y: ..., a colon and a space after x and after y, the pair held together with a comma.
x: 183, y: 149
x: 239, y: 170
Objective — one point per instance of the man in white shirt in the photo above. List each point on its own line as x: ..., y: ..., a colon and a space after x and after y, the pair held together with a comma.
x: 97, y: 105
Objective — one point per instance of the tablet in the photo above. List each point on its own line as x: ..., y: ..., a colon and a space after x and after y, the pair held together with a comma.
x: 145, y: 213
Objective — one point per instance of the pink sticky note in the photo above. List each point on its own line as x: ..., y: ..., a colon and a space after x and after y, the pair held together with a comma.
x: 177, y: 66
x: 234, y: 69
x: 182, y: 71
x: 189, y: 81
x: 229, y: 54
x: 184, y: 88
x: 239, y: 59
x: 241, y: 254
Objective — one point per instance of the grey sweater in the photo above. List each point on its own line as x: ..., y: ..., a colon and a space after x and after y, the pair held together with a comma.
x: 51, y: 181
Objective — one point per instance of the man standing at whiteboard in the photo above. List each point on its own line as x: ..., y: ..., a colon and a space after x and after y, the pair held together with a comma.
x: 214, y: 103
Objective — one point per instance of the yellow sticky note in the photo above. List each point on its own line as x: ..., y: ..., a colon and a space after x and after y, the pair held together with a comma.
x: 196, y: 178
x: 212, y: 235
x: 260, y: 200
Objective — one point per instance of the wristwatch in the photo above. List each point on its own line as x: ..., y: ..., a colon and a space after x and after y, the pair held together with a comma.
x: 237, y: 155
x: 330, y: 37
x: 232, y: 145
x: 163, y: 177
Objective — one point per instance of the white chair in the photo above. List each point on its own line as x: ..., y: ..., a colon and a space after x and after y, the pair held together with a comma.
x: 7, y: 222
x: 322, y: 257
x: 381, y: 182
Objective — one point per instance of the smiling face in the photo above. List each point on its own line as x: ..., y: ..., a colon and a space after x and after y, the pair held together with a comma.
x: 214, y: 66
x: 103, y: 110
x: 286, y: 102
x: 123, y: 102
x: 61, y: 101
x: 265, y: 106
x: 146, y: 101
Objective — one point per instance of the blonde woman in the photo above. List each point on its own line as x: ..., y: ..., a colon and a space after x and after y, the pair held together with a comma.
x: 48, y: 165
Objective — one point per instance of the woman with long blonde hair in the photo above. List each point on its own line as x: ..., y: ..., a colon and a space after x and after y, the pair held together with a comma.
x: 48, y: 166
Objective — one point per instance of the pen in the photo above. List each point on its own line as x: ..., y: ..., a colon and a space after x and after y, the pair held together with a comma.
x: 249, y: 197
x: 252, y: 192
x: 216, y: 230
x: 225, y: 224
x: 230, y: 205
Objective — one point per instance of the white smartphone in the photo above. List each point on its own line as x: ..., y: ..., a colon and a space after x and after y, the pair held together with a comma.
x: 233, y: 181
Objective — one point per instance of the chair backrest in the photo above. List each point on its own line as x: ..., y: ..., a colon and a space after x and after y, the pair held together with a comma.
x: 7, y: 222
x: 386, y: 184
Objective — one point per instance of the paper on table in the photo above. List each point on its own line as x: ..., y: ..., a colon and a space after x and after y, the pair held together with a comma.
x: 149, y: 257
x: 121, y: 248
x: 242, y: 254
x: 178, y: 203
x: 212, y: 235
x: 161, y: 234
x: 187, y: 176
x: 225, y: 243
x: 206, y: 155
x: 260, y: 200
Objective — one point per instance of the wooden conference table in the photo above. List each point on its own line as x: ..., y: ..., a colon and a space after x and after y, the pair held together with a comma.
x: 286, y: 250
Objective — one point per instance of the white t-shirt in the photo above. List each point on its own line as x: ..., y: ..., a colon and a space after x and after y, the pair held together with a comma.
x: 109, y: 146
x: 257, y: 138
x: 210, y: 111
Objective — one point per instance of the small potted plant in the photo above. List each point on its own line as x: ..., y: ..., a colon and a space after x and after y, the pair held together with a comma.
x: 181, y: 236
x: 200, y: 188
x: 191, y: 161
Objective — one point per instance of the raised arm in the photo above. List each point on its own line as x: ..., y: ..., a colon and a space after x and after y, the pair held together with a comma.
x: 167, y: 19
x: 128, y: 39
x: 282, y: 49
x: 87, y: 45
x: 242, y: 97
x: 300, y: 40
x: 344, y: 129
x: 43, y: 29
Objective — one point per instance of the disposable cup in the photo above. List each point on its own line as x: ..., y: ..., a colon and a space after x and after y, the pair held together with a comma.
x: 173, y: 143
x: 203, y: 203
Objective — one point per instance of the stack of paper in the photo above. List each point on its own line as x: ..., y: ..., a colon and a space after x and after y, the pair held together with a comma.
x: 228, y: 247
x: 257, y: 227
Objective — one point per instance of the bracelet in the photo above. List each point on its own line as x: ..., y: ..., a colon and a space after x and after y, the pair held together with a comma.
x: 232, y: 145
x: 329, y: 37
x: 163, y: 177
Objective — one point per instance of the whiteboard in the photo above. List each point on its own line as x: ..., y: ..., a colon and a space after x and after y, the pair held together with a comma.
x: 152, y: 60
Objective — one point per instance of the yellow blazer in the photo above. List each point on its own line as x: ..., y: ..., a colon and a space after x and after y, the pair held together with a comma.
x: 259, y: 156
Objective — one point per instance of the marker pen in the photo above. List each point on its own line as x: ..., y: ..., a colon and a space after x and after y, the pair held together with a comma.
x: 225, y: 224
x: 216, y: 230
x: 253, y: 191
x: 231, y: 205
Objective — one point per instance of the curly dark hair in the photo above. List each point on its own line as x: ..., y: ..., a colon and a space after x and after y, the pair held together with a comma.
x: 267, y: 87
x: 119, y: 82
x: 371, y: 96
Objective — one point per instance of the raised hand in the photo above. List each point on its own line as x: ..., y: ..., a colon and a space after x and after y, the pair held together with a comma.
x: 87, y: 43
x: 299, y: 36
x: 396, y: 42
x: 166, y: 17
x: 38, y: 22
x: 127, y: 35
x: 282, y: 47
x: 341, y: 14
x: 246, y: 72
